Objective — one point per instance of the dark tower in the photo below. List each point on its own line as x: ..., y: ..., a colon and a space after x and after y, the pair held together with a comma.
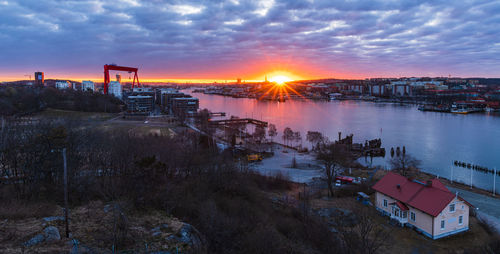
x: 39, y: 79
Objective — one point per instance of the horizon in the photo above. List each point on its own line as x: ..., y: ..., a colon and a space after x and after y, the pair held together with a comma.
x: 233, y: 81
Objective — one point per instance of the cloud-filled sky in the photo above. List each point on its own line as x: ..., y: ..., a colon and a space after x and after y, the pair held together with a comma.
x: 247, y: 39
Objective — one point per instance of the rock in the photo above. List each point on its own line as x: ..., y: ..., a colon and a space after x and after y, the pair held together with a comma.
x: 107, y: 208
x: 51, y: 234
x: 35, y: 240
x: 156, y: 231
x: 190, y: 236
x: 338, y: 216
x: 80, y: 249
x: 53, y: 218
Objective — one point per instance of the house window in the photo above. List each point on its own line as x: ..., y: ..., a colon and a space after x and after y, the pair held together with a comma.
x: 442, y: 224
x: 404, y: 214
x: 412, y: 216
x: 385, y: 202
x: 452, y: 208
x: 460, y: 220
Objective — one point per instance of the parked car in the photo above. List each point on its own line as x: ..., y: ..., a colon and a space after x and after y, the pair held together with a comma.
x: 338, y: 183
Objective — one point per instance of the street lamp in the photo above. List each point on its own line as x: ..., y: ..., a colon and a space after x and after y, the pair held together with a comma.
x: 63, y: 151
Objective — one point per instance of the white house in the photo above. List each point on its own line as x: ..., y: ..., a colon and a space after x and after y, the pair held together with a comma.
x: 429, y: 207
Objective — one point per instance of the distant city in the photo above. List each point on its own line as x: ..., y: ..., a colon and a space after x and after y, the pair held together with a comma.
x: 440, y: 94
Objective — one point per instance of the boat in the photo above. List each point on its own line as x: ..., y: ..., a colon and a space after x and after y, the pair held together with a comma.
x: 490, y: 109
x: 434, y: 108
x: 460, y: 111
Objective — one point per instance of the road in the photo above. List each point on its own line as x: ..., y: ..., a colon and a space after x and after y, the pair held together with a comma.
x: 488, y: 207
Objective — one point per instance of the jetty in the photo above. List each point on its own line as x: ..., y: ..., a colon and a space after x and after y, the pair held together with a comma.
x: 239, y: 121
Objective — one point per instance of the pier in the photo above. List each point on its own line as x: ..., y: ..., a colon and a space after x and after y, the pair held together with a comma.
x: 213, y: 114
x: 239, y: 121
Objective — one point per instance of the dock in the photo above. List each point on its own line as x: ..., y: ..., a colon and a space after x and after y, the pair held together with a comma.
x: 239, y: 121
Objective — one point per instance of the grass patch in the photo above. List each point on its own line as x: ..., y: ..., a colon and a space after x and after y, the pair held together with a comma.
x: 75, y: 115
x: 14, y: 209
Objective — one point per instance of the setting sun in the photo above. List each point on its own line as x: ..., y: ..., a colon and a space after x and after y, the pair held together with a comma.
x: 280, y: 79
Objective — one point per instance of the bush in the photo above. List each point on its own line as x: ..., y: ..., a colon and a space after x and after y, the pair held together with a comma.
x: 179, y: 175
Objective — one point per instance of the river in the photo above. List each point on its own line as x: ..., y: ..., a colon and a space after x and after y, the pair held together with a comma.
x: 436, y: 139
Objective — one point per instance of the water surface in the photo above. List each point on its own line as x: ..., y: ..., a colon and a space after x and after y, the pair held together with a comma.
x: 436, y: 139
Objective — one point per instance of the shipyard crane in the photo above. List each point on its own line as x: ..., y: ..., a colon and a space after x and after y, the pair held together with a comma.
x: 112, y: 67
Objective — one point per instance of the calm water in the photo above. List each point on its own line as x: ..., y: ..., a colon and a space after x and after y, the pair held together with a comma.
x: 437, y: 139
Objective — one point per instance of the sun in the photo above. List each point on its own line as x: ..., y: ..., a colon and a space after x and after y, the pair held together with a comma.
x: 280, y: 79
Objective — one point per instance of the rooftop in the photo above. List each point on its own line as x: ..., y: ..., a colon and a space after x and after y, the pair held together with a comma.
x: 430, y: 198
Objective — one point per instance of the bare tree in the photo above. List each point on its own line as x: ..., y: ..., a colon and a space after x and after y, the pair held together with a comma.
x: 333, y: 156
x: 272, y: 132
x: 259, y: 133
x: 403, y: 162
x: 315, y: 137
x: 203, y: 122
x: 366, y: 236
x: 297, y: 137
x: 287, y: 135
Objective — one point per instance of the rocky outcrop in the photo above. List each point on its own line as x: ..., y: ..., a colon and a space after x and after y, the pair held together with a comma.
x: 50, y: 234
x: 338, y: 216
x: 190, y: 236
x: 100, y: 228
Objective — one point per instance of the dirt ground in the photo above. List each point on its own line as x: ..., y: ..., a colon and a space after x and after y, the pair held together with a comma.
x: 307, y: 167
x: 94, y: 226
x: 75, y: 115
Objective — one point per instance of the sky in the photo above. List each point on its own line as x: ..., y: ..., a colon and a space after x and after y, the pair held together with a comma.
x: 226, y: 40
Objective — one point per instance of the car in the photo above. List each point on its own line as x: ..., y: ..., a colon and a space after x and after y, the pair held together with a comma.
x: 338, y: 183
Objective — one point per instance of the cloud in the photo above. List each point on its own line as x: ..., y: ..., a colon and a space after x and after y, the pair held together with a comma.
x: 207, y: 39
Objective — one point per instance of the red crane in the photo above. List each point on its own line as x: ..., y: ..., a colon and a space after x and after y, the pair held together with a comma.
x: 108, y: 67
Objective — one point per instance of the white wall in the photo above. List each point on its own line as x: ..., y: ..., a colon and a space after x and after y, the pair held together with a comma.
x: 451, y: 218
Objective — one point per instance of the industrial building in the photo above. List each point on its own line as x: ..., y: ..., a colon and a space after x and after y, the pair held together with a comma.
x: 401, y: 90
x: 115, y: 89
x: 88, y: 85
x: 63, y: 85
x: 139, y: 104
x: 377, y: 90
x: 185, y: 105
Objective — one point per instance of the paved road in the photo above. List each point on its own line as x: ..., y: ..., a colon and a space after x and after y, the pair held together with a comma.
x: 489, y: 207
x: 486, y: 204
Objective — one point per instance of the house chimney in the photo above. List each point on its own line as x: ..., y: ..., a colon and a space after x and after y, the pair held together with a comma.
x: 429, y: 183
x: 398, y: 186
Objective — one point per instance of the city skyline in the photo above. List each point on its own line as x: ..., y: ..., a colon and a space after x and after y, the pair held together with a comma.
x: 196, y: 40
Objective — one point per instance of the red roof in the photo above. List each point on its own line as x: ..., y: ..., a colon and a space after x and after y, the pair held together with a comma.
x: 431, y: 199
x: 402, y: 206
